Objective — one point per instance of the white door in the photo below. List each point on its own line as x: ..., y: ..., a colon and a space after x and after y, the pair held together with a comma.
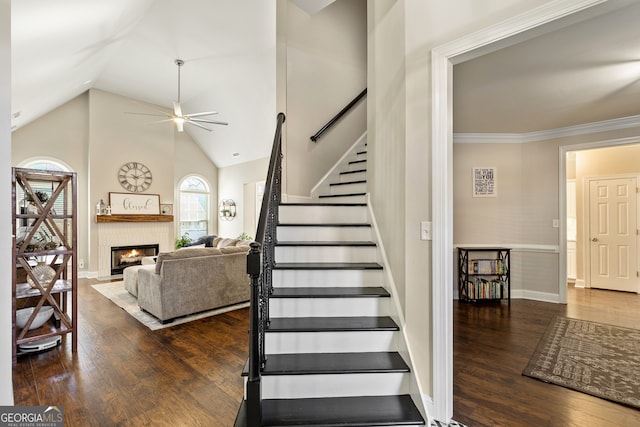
x: 612, y: 224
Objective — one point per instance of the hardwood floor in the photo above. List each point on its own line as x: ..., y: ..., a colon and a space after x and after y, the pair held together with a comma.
x: 189, y: 375
x: 127, y: 375
x: 492, y: 345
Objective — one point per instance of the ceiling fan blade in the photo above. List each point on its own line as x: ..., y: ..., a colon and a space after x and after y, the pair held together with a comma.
x: 207, y: 113
x: 199, y: 125
x: 208, y: 121
x: 177, y: 110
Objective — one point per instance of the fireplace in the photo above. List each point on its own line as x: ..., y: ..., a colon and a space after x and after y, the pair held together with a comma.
x: 126, y: 256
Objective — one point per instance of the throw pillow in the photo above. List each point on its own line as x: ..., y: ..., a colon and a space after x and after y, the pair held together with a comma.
x: 223, y: 243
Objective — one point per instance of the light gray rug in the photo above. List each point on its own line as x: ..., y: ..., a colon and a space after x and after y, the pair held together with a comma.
x: 116, y: 292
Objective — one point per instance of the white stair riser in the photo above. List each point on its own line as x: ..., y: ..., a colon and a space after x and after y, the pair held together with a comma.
x: 325, y: 254
x: 321, y: 214
x: 328, y: 307
x: 330, y: 342
x: 344, y: 199
x: 323, y: 234
x: 350, y: 177
x: 334, y: 385
x: 326, y: 278
x: 361, y: 156
x: 356, y: 166
x: 348, y: 188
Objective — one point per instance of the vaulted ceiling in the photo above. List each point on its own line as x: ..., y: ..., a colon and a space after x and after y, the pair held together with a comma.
x: 62, y: 48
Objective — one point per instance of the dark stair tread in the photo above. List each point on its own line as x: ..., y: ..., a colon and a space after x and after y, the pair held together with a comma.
x: 327, y: 266
x: 361, y: 152
x: 348, y: 172
x: 335, y: 292
x: 325, y: 224
x: 353, y: 162
x: 324, y: 196
x: 326, y: 243
x: 362, y: 181
x: 334, y: 363
x: 331, y: 324
x: 358, y: 411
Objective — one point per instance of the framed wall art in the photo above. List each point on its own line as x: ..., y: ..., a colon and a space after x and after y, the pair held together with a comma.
x: 134, y: 204
x: 484, y: 182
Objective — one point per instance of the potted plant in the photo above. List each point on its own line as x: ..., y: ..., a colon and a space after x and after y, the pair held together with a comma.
x: 42, y: 197
x: 183, y: 240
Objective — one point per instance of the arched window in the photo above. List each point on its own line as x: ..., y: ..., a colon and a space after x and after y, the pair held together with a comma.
x: 41, y: 187
x: 194, y: 207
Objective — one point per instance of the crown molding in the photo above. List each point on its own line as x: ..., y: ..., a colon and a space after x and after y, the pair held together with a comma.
x: 545, y: 135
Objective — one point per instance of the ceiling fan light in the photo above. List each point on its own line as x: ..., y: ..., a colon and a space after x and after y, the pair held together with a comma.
x: 178, y: 120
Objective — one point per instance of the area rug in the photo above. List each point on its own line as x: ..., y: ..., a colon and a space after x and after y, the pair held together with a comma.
x: 593, y: 358
x: 116, y: 292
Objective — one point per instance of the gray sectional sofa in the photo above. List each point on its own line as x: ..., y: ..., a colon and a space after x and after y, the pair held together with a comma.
x: 191, y: 280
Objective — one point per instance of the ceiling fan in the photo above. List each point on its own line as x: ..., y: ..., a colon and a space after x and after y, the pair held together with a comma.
x: 196, y: 119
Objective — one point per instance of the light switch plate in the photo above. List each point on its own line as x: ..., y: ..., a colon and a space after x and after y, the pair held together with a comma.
x: 425, y: 230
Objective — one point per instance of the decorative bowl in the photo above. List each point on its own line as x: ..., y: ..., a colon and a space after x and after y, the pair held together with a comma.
x: 22, y: 316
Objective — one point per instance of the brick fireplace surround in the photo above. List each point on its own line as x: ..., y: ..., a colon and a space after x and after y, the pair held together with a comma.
x: 130, y: 233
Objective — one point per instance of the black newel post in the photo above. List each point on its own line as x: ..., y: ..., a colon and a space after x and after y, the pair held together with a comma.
x: 254, y: 397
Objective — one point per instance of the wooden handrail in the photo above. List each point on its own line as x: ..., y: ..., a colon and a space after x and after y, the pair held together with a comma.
x: 338, y: 116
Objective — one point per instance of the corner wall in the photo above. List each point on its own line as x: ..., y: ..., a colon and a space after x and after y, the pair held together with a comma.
x: 231, y: 182
x: 326, y: 67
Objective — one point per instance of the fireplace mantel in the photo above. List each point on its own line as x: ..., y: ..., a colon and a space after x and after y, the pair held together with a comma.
x: 134, y: 218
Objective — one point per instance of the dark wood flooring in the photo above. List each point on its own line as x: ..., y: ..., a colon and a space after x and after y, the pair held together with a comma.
x: 127, y: 375
x: 493, y: 344
x: 189, y: 375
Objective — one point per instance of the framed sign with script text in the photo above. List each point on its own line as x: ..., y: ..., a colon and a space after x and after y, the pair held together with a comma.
x: 134, y: 204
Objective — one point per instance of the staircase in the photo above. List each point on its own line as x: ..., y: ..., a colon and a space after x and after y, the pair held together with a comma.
x: 332, y: 344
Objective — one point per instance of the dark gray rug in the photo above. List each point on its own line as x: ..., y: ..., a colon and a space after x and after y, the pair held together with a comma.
x: 593, y: 358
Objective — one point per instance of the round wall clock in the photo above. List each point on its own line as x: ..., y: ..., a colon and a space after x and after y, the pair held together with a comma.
x: 134, y: 176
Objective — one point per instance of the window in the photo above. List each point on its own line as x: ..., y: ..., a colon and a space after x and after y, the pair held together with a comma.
x: 194, y: 207
x: 46, y: 165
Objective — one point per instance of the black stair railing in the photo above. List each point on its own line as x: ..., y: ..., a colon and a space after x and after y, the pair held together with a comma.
x: 338, y: 116
x: 260, y: 263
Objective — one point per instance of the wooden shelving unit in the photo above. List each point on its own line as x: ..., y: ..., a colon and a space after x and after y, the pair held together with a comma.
x: 45, y: 234
x: 484, y: 274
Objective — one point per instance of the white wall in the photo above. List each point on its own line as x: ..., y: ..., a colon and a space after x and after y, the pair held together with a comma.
x: 326, y: 68
x: 231, y: 181
x: 6, y: 333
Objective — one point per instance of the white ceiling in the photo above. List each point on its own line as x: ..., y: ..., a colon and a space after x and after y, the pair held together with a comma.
x: 583, y: 73
x: 61, y: 48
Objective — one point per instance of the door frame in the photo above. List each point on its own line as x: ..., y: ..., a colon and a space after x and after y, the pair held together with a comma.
x: 527, y: 25
x: 586, y: 209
